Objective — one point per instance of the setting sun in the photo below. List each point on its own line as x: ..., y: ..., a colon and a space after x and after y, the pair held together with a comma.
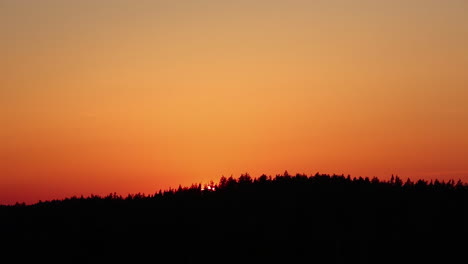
x: 215, y: 131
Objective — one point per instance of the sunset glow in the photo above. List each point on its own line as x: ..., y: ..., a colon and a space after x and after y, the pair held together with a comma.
x: 128, y: 96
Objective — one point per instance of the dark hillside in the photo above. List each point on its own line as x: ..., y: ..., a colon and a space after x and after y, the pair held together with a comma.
x: 285, y: 219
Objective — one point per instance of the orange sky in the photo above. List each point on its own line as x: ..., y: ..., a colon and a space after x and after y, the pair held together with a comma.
x: 134, y: 96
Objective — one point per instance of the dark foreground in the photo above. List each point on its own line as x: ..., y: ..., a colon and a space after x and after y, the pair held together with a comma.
x: 287, y: 219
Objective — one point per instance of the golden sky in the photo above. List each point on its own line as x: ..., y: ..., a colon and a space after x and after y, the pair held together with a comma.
x: 134, y: 96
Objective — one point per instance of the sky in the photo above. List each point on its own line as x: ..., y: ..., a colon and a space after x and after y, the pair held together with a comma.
x: 135, y: 96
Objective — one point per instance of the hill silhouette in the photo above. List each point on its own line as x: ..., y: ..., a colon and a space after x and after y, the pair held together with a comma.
x: 281, y: 219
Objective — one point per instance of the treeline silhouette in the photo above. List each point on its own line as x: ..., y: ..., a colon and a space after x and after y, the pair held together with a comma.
x: 286, y: 219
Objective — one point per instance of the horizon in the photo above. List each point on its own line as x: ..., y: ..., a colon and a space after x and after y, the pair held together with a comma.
x: 135, y: 96
x: 214, y: 183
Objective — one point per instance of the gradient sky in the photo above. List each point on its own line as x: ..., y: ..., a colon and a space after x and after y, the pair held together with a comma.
x: 133, y: 96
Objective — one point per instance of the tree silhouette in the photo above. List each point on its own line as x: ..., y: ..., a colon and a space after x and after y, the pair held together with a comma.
x: 299, y: 218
